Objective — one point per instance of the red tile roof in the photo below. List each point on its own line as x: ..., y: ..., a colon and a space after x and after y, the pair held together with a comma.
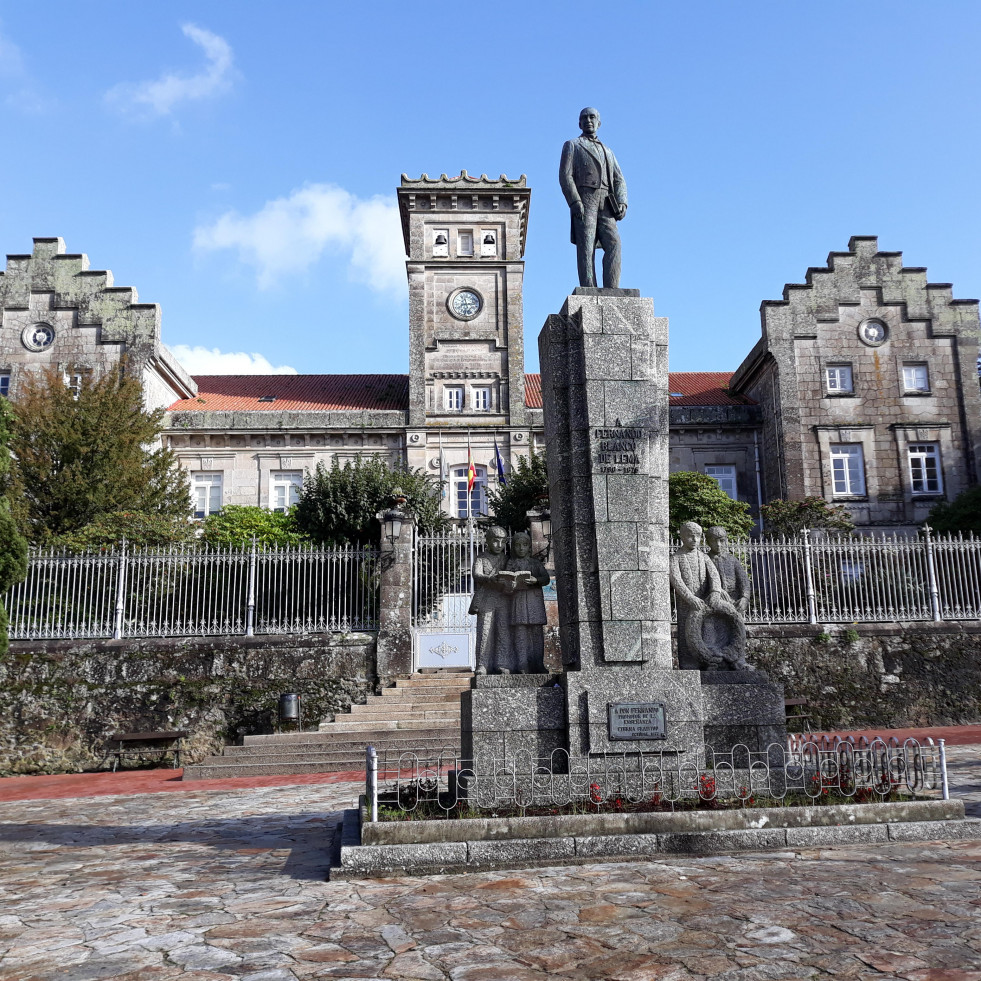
x: 702, y: 388
x: 217, y: 393
x: 533, y: 391
x: 313, y: 393
x: 685, y: 387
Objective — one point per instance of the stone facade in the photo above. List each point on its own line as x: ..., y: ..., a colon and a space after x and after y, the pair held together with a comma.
x: 899, y: 429
x: 867, y: 385
x: 55, y: 312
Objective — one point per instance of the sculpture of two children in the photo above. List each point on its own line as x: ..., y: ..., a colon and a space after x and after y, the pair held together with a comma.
x: 509, y: 604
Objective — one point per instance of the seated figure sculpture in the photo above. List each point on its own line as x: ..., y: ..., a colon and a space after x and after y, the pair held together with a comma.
x: 731, y: 571
x: 492, y: 604
x: 527, y: 576
x: 711, y: 632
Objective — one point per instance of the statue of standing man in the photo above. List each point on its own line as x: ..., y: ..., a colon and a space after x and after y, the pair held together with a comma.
x: 597, y: 194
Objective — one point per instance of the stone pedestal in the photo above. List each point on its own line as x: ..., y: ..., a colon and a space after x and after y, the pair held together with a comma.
x: 604, y: 391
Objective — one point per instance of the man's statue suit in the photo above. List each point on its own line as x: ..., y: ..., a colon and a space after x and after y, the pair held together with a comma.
x: 597, y: 195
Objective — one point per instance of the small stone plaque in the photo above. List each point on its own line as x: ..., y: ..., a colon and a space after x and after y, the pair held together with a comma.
x: 619, y: 449
x: 636, y: 720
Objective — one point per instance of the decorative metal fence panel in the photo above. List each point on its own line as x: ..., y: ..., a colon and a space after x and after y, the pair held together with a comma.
x: 862, y: 579
x: 802, y: 772
x: 173, y: 592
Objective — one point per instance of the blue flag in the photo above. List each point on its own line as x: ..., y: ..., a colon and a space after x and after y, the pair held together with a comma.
x: 500, y: 465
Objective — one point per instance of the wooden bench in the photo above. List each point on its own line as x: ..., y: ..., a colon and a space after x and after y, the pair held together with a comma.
x: 139, y: 744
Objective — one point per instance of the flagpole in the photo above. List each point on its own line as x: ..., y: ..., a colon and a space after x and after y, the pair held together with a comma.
x: 470, y: 471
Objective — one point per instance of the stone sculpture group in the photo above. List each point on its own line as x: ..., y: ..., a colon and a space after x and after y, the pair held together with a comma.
x: 509, y: 601
x: 712, y: 594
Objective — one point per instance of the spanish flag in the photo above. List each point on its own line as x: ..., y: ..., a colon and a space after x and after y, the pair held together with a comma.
x: 471, y: 471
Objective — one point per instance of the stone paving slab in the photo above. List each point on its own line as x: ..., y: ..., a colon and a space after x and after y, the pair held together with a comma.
x: 228, y: 884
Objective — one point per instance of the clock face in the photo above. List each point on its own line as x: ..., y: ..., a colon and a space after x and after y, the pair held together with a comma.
x: 465, y: 304
x: 873, y: 332
x: 38, y: 337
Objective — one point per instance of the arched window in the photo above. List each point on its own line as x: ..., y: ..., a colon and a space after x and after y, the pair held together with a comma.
x: 478, y: 495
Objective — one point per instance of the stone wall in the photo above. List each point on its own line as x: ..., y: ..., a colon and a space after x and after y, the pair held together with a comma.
x: 60, y: 700
x: 876, y: 675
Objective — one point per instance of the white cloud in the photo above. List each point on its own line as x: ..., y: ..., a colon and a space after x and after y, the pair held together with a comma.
x: 211, y: 361
x: 290, y: 234
x: 159, y: 97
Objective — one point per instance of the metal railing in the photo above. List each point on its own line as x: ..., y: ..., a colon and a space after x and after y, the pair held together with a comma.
x: 862, y: 579
x: 174, y: 592
x: 804, y: 771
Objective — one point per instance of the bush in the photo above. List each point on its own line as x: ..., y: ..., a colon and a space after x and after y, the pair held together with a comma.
x: 236, y: 526
x: 338, y: 504
x: 789, y: 518
x: 527, y: 485
x: 962, y: 514
x: 698, y: 497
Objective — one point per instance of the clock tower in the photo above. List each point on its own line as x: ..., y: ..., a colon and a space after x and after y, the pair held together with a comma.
x: 465, y: 242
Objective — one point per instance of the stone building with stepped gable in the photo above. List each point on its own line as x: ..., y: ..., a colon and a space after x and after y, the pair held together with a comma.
x: 866, y: 380
x: 56, y: 312
x: 862, y: 389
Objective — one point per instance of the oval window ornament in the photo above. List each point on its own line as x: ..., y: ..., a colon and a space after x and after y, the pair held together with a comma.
x: 873, y: 332
x: 38, y: 337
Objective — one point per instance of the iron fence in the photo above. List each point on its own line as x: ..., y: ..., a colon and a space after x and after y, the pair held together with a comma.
x: 862, y: 579
x: 172, y: 592
x: 802, y: 772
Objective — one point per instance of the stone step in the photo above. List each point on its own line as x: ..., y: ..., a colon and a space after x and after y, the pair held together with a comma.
x: 380, y: 725
x: 223, y: 770
x: 434, y: 681
x: 328, y: 759
x: 330, y: 735
x: 337, y: 748
x: 396, y: 695
x: 410, y: 711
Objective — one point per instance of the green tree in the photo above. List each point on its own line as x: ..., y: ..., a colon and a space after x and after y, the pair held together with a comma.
x: 236, y: 525
x: 526, y: 487
x: 84, y: 454
x: 13, y: 545
x: 788, y: 518
x: 698, y: 497
x: 134, y: 527
x: 961, y: 514
x: 338, y: 504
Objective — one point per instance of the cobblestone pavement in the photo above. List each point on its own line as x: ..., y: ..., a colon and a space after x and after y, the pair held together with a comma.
x: 229, y: 884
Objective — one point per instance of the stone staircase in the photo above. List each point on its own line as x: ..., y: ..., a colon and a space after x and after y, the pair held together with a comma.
x: 420, y: 714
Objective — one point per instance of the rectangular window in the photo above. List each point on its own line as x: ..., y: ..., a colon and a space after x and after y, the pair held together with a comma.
x: 838, y: 378
x: 284, y: 489
x: 482, y: 399
x: 453, y: 398
x: 441, y: 242
x: 916, y: 378
x: 488, y: 243
x: 206, y: 493
x: 924, y: 468
x: 478, y: 493
x: 464, y: 243
x: 726, y: 478
x: 74, y: 383
x: 848, y: 470
x: 5, y: 384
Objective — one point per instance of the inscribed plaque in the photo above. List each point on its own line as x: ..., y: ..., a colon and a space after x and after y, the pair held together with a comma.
x: 636, y: 720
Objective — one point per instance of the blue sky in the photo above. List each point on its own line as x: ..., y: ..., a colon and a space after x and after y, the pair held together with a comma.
x: 236, y: 162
